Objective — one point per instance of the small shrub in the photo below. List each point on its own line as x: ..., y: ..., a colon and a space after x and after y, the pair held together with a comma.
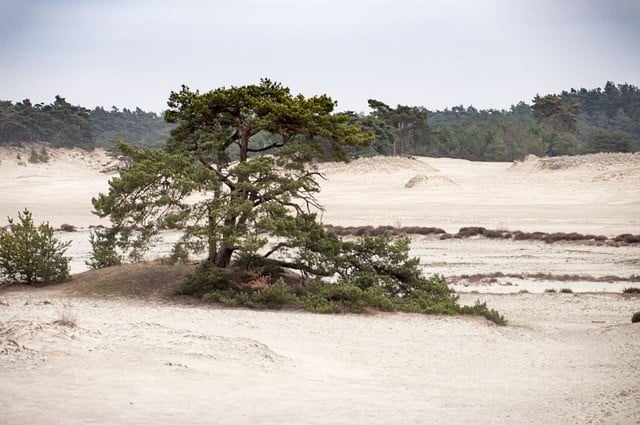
x: 627, y: 238
x: 481, y: 309
x: 636, y: 317
x: 206, y: 280
x: 496, y: 234
x: 103, y: 250
x: 30, y: 254
x: 467, y: 232
x: 274, y: 296
x: 68, y: 228
x: 566, y: 291
x: 631, y: 290
x: 33, y: 157
x: 67, y: 319
x: 44, y: 155
x: 550, y: 290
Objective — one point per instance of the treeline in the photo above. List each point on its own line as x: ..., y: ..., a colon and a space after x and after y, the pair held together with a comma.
x: 59, y: 123
x: 138, y: 127
x: 64, y: 125
x: 572, y: 122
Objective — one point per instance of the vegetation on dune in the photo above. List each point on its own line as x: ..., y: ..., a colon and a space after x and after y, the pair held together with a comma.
x: 137, y: 126
x: 59, y: 124
x: 30, y: 254
x: 476, y: 231
x: 572, y: 122
x: 237, y: 179
x: 250, y: 288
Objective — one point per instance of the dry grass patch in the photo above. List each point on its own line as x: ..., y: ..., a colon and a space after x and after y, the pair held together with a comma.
x: 141, y: 280
x: 67, y: 319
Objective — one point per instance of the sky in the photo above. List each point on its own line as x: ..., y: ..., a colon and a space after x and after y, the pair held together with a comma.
x: 430, y: 53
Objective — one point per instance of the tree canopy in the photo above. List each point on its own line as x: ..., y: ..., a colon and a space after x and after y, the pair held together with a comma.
x: 236, y: 173
x: 59, y: 123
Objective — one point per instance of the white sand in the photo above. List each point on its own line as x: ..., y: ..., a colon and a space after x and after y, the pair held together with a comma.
x: 565, y: 358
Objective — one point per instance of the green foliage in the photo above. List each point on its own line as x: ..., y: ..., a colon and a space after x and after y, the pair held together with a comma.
x: 609, y: 141
x: 555, y: 124
x: 246, y: 152
x: 568, y: 123
x: 36, y: 157
x: 374, y: 272
x: 481, y: 309
x: 207, y: 279
x: 258, y: 264
x: 636, y: 317
x: 59, y: 124
x: 31, y: 254
x: 225, y: 286
x: 401, y: 125
x: 103, y: 250
x: 137, y: 126
x: 33, y: 157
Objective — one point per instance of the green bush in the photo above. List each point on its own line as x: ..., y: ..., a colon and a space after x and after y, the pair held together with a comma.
x: 206, y: 280
x: 103, y: 250
x: 481, y: 309
x: 374, y: 273
x: 274, y: 296
x: 258, y: 264
x: 30, y: 254
x: 636, y: 317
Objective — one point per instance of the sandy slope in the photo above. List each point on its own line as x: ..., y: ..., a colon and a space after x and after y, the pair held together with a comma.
x: 565, y: 358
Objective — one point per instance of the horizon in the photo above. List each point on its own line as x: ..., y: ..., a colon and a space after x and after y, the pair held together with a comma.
x: 133, y: 108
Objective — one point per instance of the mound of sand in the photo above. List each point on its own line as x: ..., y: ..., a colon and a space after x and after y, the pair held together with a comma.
x: 592, y: 162
x: 422, y: 180
x: 377, y: 164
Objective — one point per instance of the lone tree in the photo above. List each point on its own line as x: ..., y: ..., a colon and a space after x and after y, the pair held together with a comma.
x: 237, y: 177
x: 236, y: 172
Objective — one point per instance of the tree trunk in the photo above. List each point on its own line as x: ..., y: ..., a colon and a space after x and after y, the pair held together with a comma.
x: 223, y: 257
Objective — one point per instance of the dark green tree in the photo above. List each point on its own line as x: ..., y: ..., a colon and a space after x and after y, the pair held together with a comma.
x: 236, y: 172
x: 551, y: 110
x: 31, y: 254
x: 403, y: 123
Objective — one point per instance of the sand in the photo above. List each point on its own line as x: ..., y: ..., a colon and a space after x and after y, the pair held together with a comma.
x: 564, y: 358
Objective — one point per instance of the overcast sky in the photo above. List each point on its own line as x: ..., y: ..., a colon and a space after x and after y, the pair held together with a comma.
x: 432, y: 53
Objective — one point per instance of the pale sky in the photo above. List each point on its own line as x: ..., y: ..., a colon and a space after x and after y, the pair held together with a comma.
x: 431, y: 53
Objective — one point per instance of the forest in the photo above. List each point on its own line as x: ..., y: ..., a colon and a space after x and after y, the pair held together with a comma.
x: 572, y: 122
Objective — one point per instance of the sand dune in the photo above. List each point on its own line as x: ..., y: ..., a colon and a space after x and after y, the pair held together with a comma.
x: 565, y: 358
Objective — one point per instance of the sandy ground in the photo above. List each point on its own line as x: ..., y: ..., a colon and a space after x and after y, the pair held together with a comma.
x: 564, y: 358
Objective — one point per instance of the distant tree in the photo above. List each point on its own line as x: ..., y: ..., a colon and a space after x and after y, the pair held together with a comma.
x: 137, y: 127
x: 60, y: 124
x: 402, y: 123
x: 609, y: 141
x: 551, y: 110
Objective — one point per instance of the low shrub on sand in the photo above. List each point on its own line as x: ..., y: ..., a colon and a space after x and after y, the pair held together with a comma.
x: 234, y: 287
x: 636, y: 317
